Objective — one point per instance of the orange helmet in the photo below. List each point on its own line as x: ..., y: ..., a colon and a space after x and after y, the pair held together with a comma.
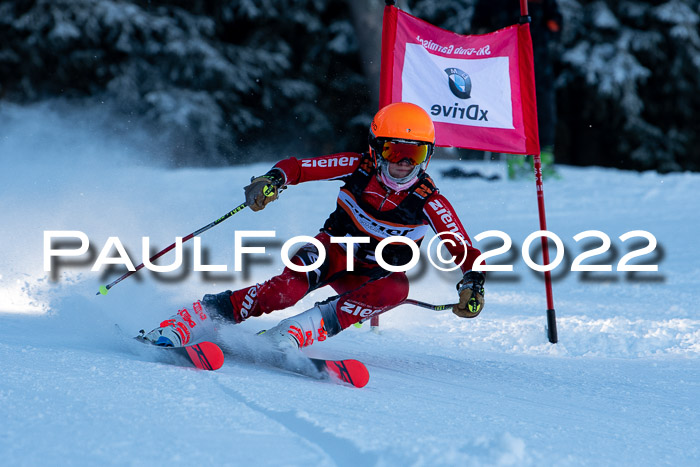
x: 403, y: 121
x: 401, y: 131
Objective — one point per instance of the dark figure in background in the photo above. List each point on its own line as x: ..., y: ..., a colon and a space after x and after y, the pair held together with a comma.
x: 545, y: 25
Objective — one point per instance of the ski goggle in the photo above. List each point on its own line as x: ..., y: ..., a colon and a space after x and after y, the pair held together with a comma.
x: 394, y: 151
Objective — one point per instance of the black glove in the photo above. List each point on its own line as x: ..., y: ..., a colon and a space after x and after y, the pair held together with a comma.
x: 471, y: 295
x: 264, y: 189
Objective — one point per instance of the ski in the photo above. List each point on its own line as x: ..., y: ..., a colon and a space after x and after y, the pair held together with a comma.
x: 205, y: 355
x: 209, y: 356
x: 352, y: 372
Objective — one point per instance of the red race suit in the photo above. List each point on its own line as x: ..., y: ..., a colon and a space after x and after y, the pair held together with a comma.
x: 365, y: 208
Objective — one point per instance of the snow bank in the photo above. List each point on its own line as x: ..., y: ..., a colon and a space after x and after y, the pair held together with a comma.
x: 621, y: 387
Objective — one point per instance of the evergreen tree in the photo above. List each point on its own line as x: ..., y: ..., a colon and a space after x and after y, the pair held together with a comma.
x: 239, y: 79
x: 630, y: 72
x: 215, y: 79
x: 628, y: 79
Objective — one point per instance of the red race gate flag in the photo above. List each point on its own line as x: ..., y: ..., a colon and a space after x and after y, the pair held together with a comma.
x: 479, y: 90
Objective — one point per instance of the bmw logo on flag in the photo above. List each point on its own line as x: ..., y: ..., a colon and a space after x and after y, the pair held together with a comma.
x: 460, y: 83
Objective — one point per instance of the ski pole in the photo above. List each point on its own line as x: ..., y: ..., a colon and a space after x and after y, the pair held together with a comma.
x: 410, y: 301
x: 429, y: 306
x: 268, y: 190
x: 105, y: 288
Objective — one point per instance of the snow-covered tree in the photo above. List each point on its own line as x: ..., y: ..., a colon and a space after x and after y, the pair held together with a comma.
x: 234, y: 80
x: 212, y: 78
x: 628, y: 79
x: 630, y: 75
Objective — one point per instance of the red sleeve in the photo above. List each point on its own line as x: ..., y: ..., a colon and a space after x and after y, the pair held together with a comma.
x: 319, y: 168
x: 443, y: 218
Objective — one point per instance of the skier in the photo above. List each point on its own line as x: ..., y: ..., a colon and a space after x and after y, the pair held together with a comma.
x: 386, y: 193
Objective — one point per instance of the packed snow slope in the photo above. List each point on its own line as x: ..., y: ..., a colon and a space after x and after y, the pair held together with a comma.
x: 622, y: 387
